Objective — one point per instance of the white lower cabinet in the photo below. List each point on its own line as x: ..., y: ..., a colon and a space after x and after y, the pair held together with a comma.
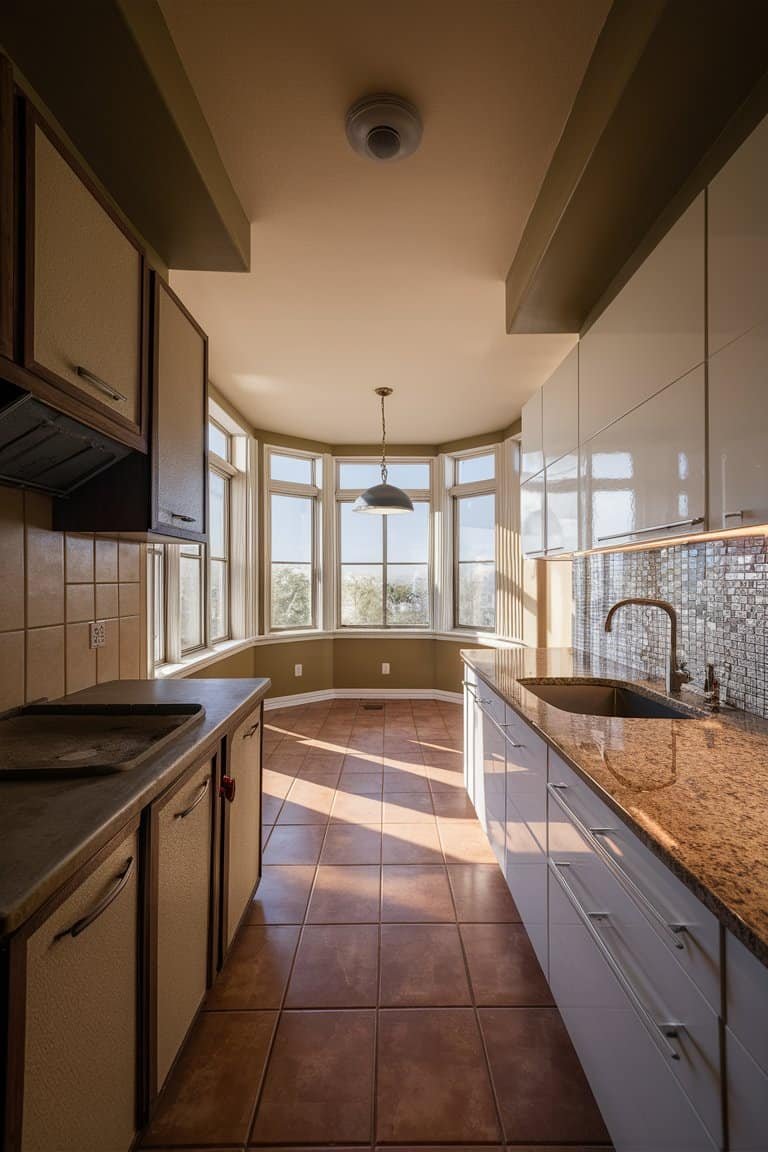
x: 241, y: 787
x: 746, y: 1048
x: 747, y: 1099
x: 494, y: 798
x: 526, y: 830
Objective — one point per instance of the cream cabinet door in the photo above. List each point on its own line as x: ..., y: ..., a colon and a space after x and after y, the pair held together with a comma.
x: 651, y: 334
x: 81, y: 1041
x: 737, y: 247
x: 532, y: 516
x: 180, y: 400
x: 183, y: 831
x: 532, y: 448
x: 560, y: 409
x: 738, y: 432
x: 242, y: 835
x: 562, y: 503
x: 84, y: 291
x: 644, y: 476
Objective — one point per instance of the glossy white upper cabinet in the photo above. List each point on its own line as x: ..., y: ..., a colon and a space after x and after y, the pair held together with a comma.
x: 644, y: 476
x: 532, y: 516
x: 532, y: 449
x: 737, y: 232
x: 560, y: 409
x: 738, y: 432
x: 652, y: 333
x: 562, y: 506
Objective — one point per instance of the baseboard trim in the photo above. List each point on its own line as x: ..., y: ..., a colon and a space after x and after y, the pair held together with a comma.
x: 300, y: 698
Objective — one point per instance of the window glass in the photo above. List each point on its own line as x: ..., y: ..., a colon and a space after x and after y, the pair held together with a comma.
x: 294, y: 469
x: 477, y: 595
x: 476, y: 527
x: 361, y: 536
x: 362, y: 476
x: 217, y: 514
x: 292, y: 528
x: 219, y: 600
x: 291, y: 569
x: 218, y: 440
x: 407, y: 595
x: 471, y: 469
x: 158, y: 601
x: 361, y: 595
x: 376, y: 593
x: 191, y: 595
x: 476, y: 563
x: 408, y: 535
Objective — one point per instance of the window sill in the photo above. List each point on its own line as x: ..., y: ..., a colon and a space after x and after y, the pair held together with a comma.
x: 202, y: 659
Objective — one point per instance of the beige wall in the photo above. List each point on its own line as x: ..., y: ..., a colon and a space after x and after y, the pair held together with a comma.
x: 52, y: 584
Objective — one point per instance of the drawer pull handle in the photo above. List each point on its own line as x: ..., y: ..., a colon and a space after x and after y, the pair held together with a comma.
x: 591, y: 836
x: 102, y: 385
x: 655, y: 528
x: 197, y: 800
x: 86, y: 921
x: 742, y: 512
x: 251, y: 731
x: 181, y: 516
x: 660, y: 1031
x: 471, y: 689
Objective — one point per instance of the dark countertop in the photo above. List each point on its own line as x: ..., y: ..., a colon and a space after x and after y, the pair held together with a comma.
x: 48, y: 828
x: 695, y: 790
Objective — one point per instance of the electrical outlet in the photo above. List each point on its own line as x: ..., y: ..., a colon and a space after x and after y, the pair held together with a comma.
x: 298, y: 669
x: 385, y: 669
x: 98, y: 635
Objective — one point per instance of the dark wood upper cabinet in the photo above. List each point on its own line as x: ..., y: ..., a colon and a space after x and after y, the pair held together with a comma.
x: 7, y: 229
x: 163, y: 494
x: 83, y: 298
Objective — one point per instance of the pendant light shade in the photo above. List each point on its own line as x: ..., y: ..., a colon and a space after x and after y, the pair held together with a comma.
x: 383, y: 499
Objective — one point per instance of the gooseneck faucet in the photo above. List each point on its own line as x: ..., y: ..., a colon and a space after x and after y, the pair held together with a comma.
x: 677, y: 675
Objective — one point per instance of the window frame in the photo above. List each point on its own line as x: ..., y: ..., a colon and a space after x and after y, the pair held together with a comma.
x: 417, y: 495
x: 314, y: 492
x: 226, y: 471
x: 457, y: 492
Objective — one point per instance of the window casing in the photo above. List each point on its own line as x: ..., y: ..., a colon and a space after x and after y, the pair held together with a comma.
x: 292, y: 539
x: 220, y: 474
x: 473, y: 497
x: 384, y: 563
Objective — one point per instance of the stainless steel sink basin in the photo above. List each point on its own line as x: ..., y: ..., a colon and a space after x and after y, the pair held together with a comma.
x: 60, y: 740
x: 605, y: 700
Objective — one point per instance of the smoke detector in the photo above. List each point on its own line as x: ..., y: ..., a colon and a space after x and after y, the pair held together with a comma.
x: 383, y: 127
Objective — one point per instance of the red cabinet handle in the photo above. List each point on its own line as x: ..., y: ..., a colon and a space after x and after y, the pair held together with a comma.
x: 227, y: 788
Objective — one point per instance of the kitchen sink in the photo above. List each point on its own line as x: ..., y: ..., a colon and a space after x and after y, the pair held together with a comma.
x: 605, y: 700
x: 61, y: 740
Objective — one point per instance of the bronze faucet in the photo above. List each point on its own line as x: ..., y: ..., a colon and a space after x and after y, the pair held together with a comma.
x: 677, y: 675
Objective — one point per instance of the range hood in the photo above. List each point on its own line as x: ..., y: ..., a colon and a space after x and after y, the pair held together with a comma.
x: 45, y: 450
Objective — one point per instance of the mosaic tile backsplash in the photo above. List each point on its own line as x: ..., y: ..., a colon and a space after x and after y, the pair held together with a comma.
x: 720, y: 591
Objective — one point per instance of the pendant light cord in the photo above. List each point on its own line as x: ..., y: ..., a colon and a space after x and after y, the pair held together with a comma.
x: 383, y: 444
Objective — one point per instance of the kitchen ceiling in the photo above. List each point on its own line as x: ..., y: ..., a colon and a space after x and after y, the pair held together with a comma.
x: 366, y: 274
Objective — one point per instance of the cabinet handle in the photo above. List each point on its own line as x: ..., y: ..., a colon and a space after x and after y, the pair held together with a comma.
x: 102, y: 385
x: 197, y: 800
x: 182, y: 517
x: 471, y: 689
x: 86, y: 921
x: 742, y: 512
x: 228, y: 788
x: 660, y: 1032
x: 251, y: 731
x: 499, y: 727
x: 654, y: 528
x: 630, y: 887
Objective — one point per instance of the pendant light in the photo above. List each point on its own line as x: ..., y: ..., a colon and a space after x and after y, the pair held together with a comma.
x: 383, y: 499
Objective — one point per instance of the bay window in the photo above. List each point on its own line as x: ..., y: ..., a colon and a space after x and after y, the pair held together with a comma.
x: 474, y: 541
x: 294, y: 483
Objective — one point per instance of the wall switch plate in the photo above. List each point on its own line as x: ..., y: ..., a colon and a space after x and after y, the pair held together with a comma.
x: 98, y: 634
x: 298, y: 669
x: 385, y: 669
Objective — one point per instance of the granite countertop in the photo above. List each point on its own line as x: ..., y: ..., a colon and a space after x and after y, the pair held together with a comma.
x: 48, y: 828
x: 694, y: 790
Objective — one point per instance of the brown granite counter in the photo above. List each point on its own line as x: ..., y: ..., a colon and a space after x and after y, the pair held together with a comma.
x: 694, y: 790
x: 48, y: 828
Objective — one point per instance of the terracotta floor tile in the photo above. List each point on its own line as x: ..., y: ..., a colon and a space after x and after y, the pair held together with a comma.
x: 408, y: 808
x: 308, y: 802
x: 503, y: 967
x: 352, y: 844
x: 446, y: 780
x: 542, y: 1091
x: 411, y: 844
x: 324, y: 760
x: 336, y: 967
x: 361, y: 783
x: 345, y: 894
x: 319, y: 774
x: 416, y: 893
x: 464, y: 842
x: 405, y: 780
x: 210, y: 1096
x: 363, y: 762
x: 481, y: 895
x: 319, y: 1085
x: 433, y: 1082
x: 295, y: 844
x: 282, y: 896
x: 270, y: 808
x: 276, y: 783
x: 356, y: 809
x: 266, y: 832
x: 453, y: 803
x: 256, y: 970
x: 422, y: 965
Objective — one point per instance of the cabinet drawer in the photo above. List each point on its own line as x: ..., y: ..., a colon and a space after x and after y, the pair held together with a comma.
x: 658, y: 894
x: 747, y: 1095
x: 643, y: 1102
x: 183, y: 833
x: 494, y: 800
x: 81, y: 1015
x: 84, y: 293
x: 490, y: 702
x: 746, y: 999
x: 526, y: 786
